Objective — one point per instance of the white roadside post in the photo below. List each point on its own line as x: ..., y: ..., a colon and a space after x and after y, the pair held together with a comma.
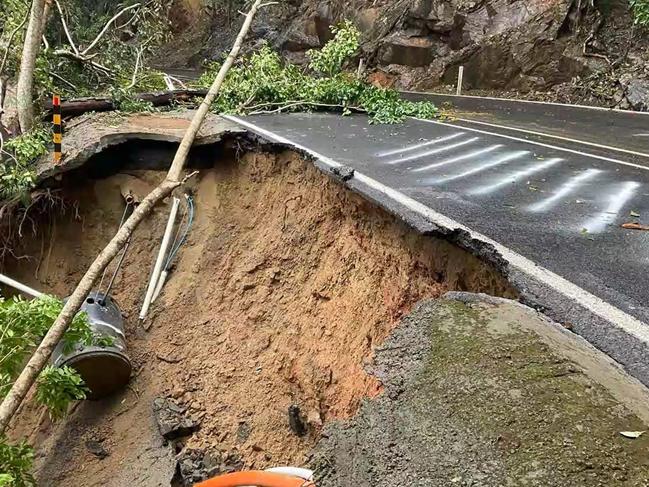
x: 460, y: 76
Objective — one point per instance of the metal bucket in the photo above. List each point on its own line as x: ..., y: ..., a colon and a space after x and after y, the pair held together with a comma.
x: 103, y: 369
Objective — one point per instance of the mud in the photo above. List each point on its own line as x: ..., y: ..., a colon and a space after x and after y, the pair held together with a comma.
x: 285, y: 288
x: 480, y: 391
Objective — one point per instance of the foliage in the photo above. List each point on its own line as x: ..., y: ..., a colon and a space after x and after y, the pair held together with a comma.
x: 330, y: 59
x: 15, y: 464
x: 126, y: 102
x: 263, y: 82
x: 23, y: 323
x: 640, y: 9
x: 58, y: 387
x: 30, y: 146
x: 16, y: 176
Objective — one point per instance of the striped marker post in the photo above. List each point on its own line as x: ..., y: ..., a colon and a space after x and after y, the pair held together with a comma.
x: 58, y: 128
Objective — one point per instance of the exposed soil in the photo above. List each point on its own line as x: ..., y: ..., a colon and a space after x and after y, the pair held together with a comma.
x: 287, y: 284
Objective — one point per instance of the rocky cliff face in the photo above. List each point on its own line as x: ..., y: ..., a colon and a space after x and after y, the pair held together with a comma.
x: 581, y: 50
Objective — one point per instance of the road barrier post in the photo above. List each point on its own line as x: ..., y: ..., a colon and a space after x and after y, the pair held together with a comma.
x: 58, y: 128
x: 460, y: 76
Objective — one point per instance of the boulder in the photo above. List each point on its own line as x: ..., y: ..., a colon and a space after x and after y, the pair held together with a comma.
x: 408, y: 51
x: 301, y: 36
x: 637, y: 93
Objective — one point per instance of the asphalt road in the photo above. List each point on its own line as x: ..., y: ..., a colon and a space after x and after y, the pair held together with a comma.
x: 621, y: 129
x: 554, y: 213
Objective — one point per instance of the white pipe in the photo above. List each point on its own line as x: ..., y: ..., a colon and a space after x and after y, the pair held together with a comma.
x: 161, y: 283
x: 21, y: 287
x: 460, y: 76
x: 302, y: 473
x: 157, y: 269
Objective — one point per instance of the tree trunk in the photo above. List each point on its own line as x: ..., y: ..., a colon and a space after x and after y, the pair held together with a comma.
x: 40, y: 358
x: 25, y: 87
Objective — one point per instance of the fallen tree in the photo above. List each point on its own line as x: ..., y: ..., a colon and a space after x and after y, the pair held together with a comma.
x: 39, y: 359
x: 79, y: 106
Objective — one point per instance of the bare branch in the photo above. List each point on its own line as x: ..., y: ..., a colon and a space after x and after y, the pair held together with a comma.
x: 65, y: 27
x: 62, y: 79
x: 103, y: 31
x: 83, y: 59
x: 137, y: 68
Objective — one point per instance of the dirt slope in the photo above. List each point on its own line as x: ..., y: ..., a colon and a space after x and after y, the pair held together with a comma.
x: 287, y: 284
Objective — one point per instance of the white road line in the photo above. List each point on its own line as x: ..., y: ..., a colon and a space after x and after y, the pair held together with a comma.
x: 419, y: 146
x: 558, y: 137
x: 459, y: 158
x: 569, y: 186
x: 434, y: 151
x: 517, y: 176
x: 598, y: 306
x: 563, y: 149
x: 617, y: 200
x: 641, y: 135
x: 482, y: 167
x: 630, y: 113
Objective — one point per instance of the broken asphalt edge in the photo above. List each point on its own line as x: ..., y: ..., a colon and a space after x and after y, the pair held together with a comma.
x: 619, y: 335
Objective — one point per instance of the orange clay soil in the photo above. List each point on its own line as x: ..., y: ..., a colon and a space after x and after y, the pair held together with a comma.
x: 287, y: 283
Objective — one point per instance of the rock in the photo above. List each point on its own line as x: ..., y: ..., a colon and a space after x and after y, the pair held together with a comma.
x: 637, y: 93
x: 367, y: 18
x: 195, y: 465
x: 97, y: 449
x: 301, y: 36
x: 295, y: 420
x: 171, y: 419
x: 324, y: 19
x: 409, y: 51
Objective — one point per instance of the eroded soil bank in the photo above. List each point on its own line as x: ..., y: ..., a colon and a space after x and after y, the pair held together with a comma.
x: 286, y: 286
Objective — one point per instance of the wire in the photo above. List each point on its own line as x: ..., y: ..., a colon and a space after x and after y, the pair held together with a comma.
x: 178, y: 243
x: 103, y: 274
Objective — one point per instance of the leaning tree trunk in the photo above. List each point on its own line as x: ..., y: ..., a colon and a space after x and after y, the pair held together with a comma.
x: 42, y: 354
x: 25, y: 87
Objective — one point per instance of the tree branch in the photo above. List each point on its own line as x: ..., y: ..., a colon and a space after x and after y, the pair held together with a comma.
x: 65, y: 27
x: 83, y: 59
x: 103, y: 31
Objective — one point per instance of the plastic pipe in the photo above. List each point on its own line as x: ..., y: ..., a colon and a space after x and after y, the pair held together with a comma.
x: 157, y: 269
x: 161, y: 283
x: 21, y: 287
x: 256, y: 478
x: 460, y: 78
x: 303, y: 473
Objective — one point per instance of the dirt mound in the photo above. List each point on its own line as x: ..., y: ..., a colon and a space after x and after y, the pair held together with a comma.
x: 287, y: 284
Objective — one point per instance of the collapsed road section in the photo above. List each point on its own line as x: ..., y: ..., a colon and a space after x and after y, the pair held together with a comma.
x: 552, y: 215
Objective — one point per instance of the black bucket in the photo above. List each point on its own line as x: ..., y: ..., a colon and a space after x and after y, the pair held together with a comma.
x: 103, y: 369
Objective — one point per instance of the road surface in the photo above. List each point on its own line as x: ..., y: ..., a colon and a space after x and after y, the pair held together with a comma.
x: 623, y: 130
x: 552, y: 213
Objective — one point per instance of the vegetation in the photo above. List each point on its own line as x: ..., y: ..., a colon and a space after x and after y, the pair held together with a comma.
x: 263, y: 83
x: 15, y: 464
x: 23, y: 323
x: 640, y: 10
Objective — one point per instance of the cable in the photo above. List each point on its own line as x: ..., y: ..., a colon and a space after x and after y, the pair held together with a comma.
x: 103, y: 274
